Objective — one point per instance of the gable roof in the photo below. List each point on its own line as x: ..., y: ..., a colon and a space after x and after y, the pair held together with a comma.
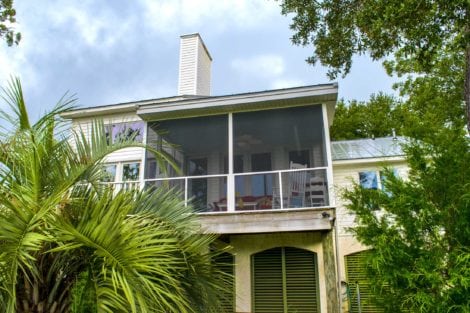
x: 181, y: 106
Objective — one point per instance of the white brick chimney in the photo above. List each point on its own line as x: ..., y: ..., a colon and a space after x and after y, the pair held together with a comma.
x: 195, y: 67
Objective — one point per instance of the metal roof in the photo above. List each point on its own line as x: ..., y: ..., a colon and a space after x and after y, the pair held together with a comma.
x: 367, y: 148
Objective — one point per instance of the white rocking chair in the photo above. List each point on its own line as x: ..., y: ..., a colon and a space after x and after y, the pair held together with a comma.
x: 297, y: 182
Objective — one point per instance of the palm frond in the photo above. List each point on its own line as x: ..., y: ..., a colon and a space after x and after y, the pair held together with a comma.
x: 131, y: 253
x: 143, y: 251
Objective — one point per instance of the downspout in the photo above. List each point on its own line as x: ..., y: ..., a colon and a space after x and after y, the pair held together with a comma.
x: 338, y: 271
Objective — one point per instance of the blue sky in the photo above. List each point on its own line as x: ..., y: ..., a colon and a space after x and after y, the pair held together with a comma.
x: 108, y: 52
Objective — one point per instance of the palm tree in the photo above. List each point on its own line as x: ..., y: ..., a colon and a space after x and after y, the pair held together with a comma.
x: 68, y: 244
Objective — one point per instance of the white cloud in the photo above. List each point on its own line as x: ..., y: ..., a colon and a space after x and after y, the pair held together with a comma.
x: 166, y: 15
x: 14, y: 63
x: 270, y: 68
x: 97, y: 27
x: 286, y: 83
x: 267, y: 65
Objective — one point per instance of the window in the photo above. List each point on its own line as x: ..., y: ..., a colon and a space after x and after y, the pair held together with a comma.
x: 374, y: 179
x: 118, y: 172
x: 109, y: 173
x: 125, y: 131
x: 368, y: 180
x: 130, y: 171
x: 300, y: 157
x: 261, y: 184
x: 285, y: 280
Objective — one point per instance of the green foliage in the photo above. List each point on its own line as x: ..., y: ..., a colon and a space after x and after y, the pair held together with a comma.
x: 83, y: 294
x: 375, y: 118
x: 414, y: 29
x: 419, y: 228
x: 67, y: 243
x: 421, y: 35
x: 434, y: 101
x: 7, y: 18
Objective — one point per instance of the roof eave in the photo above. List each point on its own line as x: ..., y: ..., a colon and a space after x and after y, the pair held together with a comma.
x: 241, y: 102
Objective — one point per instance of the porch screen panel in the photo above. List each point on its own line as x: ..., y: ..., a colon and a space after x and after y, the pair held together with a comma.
x: 281, y: 133
x: 197, y: 146
x: 285, y: 280
x: 356, y: 274
x: 192, y: 142
x: 266, y: 141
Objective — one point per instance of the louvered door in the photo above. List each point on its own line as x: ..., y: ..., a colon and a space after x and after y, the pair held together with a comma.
x: 268, y: 282
x: 285, y: 281
x: 356, y: 274
x: 301, y: 280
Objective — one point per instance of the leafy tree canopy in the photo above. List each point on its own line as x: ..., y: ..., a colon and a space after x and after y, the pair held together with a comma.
x: 417, y: 33
x: 7, y: 18
x: 429, y: 103
x: 419, y: 229
x: 376, y: 118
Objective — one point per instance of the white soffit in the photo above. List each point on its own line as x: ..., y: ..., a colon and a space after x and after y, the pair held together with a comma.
x: 242, y: 102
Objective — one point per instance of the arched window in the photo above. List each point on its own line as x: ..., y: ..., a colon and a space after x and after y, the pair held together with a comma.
x: 285, y: 280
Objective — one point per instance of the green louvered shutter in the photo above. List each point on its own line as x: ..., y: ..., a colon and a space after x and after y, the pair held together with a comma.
x: 285, y: 281
x: 267, y: 282
x: 356, y: 272
x: 301, y: 280
x: 225, y: 263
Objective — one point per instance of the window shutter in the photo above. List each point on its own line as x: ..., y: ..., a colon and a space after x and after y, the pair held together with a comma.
x: 301, y: 280
x: 285, y: 281
x: 267, y: 286
x: 356, y: 272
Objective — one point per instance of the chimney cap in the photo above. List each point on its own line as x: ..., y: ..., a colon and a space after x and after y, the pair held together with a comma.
x: 200, y: 39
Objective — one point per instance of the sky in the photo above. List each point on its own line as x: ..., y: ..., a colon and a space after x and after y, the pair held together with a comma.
x: 106, y: 52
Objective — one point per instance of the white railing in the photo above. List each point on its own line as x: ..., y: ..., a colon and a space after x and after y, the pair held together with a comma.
x: 267, y: 190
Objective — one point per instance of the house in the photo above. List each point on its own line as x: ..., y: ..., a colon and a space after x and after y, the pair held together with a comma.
x: 263, y: 174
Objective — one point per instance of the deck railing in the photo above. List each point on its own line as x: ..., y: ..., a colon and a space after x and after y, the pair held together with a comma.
x: 267, y: 190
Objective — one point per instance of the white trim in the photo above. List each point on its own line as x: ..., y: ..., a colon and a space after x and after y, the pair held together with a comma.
x: 196, y: 66
x: 369, y: 160
x: 239, y: 174
x: 329, y: 171
x: 231, y: 177
x: 281, y: 195
x: 144, y: 157
x: 309, y: 93
x: 231, y: 205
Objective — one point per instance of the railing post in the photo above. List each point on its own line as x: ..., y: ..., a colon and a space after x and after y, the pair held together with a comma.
x: 281, y: 197
x: 186, y: 191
